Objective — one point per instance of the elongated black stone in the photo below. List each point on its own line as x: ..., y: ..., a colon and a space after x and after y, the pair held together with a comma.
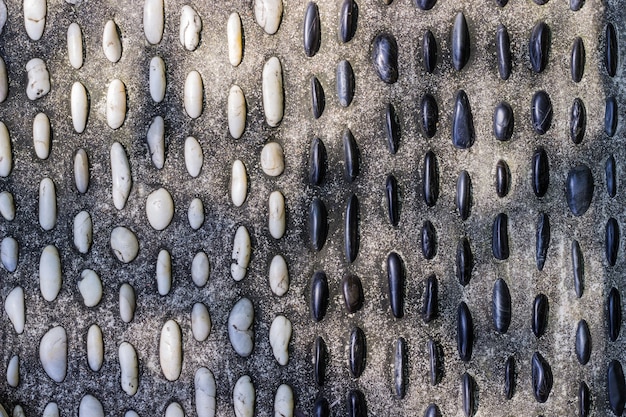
x: 352, y: 291
x: 400, y: 368
x: 430, y: 115
x: 350, y: 155
x: 614, y: 313
x: 429, y: 240
x: 432, y: 411
x: 430, y: 308
x: 345, y: 83
x: 578, y: 121
x: 538, y: 46
x: 583, y: 342
x: 468, y: 394
x: 319, y: 295
x: 503, y: 178
x: 611, y: 53
x: 435, y: 361
x: 429, y: 51
x: 351, y: 229
x: 385, y: 57
x: 321, y: 408
x: 542, y: 377
x: 312, y: 33
x: 611, y: 241
x: 396, y: 279
x: 543, y: 240
x: 541, y: 172
x: 464, y: 332
x: 318, y: 224
x: 392, y: 128
x: 501, y: 306
x: 610, y: 116
x: 460, y: 42
x: 464, y: 195
x: 357, y: 351
x: 500, y: 237
x: 391, y: 194
x: 503, y: 51
x: 584, y: 399
x: 579, y: 189
x: 509, y: 377
x: 318, y: 98
x: 578, y: 269
x: 576, y: 5
x: 541, y: 112
x: 430, y: 179
x: 425, y: 4
x: 348, y: 20
x: 541, y: 310
x: 503, y: 121
x: 320, y: 356
x: 464, y: 261
x: 610, y: 176
x: 357, y: 407
x: 317, y: 162
x: 463, y: 134
x: 577, y: 65
x: 616, y: 387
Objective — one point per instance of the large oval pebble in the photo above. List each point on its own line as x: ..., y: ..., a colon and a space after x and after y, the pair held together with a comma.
x: 284, y: 401
x: 272, y: 159
x: 120, y: 175
x: 9, y: 253
x: 157, y: 80
x: 190, y: 27
x: 500, y: 237
x: 111, y: 42
x: 319, y: 295
x: 317, y: 162
x: 318, y: 98
x: 205, y: 392
x: 47, y: 204
x: 90, y: 287
x: 95, y: 348
x: 153, y: 20
x: 541, y: 377
x: 503, y: 51
x: 6, y: 153
x: 7, y: 206
x: 90, y: 406
x: 241, y: 254
x: 155, y: 139
x: 159, y: 209
x: 577, y: 62
x: 462, y: 122
x: 244, y: 397
x: 129, y: 368
x: 194, y: 158
x: 616, y: 387
x: 174, y: 410
x: 41, y: 135
x: 312, y: 30
x: 38, y: 79
x: 273, y: 94
x: 195, y: 214
x: 128, y: 302
x: 51, y: 410
x: 53, y: 353
x: 460, y: 42
x: 278, y: 276
x: 465, y: 332
x: 200, y: 322
x: 538, y: 46
x: 83, y: 231
x: 171, y: 350
x: 276, y: 215
x: 116, y: 104
x: 50, y: 277
x: 236, y: 111
x: 577, y: 121
x: 164, y: 272
x: 268, y: 14
x: 345, y: 83
x: 391, y: 125
x: 79, y: 106
x: 34, y: 18
x: 15, y: 307
x: 348, y: 20
x: 124, y: 244
x: 385, y: 57
x: 579, y: 189
x: 611, y: 52
x: 238, y: 183
x: 429, y: 51
x: 352, y: 290
x: 200, y: 269
x: 235, y: 39
x: 193, y: 94
x: 280, y: 335
x: 241, y: 327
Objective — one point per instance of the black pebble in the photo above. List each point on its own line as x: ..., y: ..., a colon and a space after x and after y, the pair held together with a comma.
x: 541, y: 310
x: 430, y: 179
x: 464, y: 261
x: 357, y: 406
x: 464, y: 195
x: 425, y: 4
x: 538, y: 46
x: 541, y: 112
x: 351, y: 229
x: 509, y: 377
x: 502, y: 3
x: 345, y: 83
x: 541, y: 172
x: 391, y: 194
x: 321, y: 408
x: 543, y: 240
x: 542, y: 378
x: 610, y: 116
x: 464, y: 332
x: 429, y: 240
x: 400, y: 368
x: 396, y: 280
x: 577, y: 121
x: 503, y: 50
x: 357, y: 351
x: 430, y: 115
x: 616, y: 387
x: 503, y: 121
x: 432, y: 411
x: 392, y: 128
x: 320, y: 355
x: 350, y: 155
x: 352, y: 291
x: 576, y: 5
x: 318, y: 98
x: 429, y: 51
x: 385, y: 57
x: 503, y: 178
x: 577, y: 65
x: 578, y: 268
x: 435, y: 360
x: 614, y: 313
x: 462, y: 122
x: 468, y: 393
x: 610, y: 172
x: 501, y: 306
x: 430, y: 308
x: 584, y: 399
x: 317, y: 162
x: 500, y: 237
x: 318, y: 224
x: 579, y: 189
x: 611, y: 53
x: 348, y: 20
x: 319, y: 295
x: 583, y: 342
x: 460, y: 42
x: 312, y: 31
x: 611, y: 241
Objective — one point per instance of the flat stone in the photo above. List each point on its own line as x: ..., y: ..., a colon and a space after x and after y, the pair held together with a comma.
x: 153, y: 20
x: 47, y: 204
x: 193, y: 95
x: 6, y: 152
x: 579, y: 189
x: 238, y: 183
x: 195, y: 214
x: 7, y: 206
x: 164, y: 272
x: 9, y: 253
x: 157, y: 80
x: 79, y: 106
x: 236, y: 111
x: 241, y: 254
x: 276, y: 214
x: 41, y: 136
x: 116, y: 104
x: 120, y: 175
x: 234, y: 36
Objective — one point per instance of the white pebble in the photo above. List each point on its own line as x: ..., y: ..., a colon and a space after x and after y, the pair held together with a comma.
x: 51, y: 410
x: 53, y: 353
x: 156, y: 141
x: 244, y: 397
x: 153, y: 20
x: 193, y: 156
x: 277, y: 217
x: 236, y: 112
x: 7, y: 206
x: 164, y: 272
x: 120, y: 173
x: 238, y: 183
x: 241, y: 254
x: 190, y: 27
x: 90, y: 287
x: 206, y: 392
x: 95, y: 348
x: 81, y: 171
x: 83, y: 232
x: 116, y: 104
x: 3, y: 15
x: 283, y: 402
x: 280, y: 335
x: 75, y: 45
x: 34, y: 18
x: 268, y: 14
x: 111, y: 43
x: 241, y: 327
x: 50, y: 278
x: 193, y: 94
x: 129, y: 368
x: 279, y: 276
x: 41, y: 135
x: 124, y: 244
x: 200, y: 269
x: 174, y: 410
x: 157, y: 79
x: 128, y: 302
x: 18, y: 411
x: 47, y: 204
x: 14, y: 305
x: 79, y: 106
x: 171, y: 350
x: 200, y: 322
x: 234, y: 35
x: 6, y: 154
x: 13, y: 371
x: 131, y: 413
x: 273, y: 98
x: 3, y: 412
x: 38, y: 79
x: 9, y: 253
x: 272, y: 159
x: 4, y: 80
x: 195, y: 214
x: 159, y: 209
x: 90, y: 406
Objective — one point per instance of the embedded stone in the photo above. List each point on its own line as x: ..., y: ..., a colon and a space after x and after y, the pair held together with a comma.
x: 34, y: 18
x: 171, y: 350
x: 276, y: 215
x: 244, y: 397
x: 124, y: 244
x: 164, y: 272
x: 579, y: 189
x: 38, y: 78
x: 241, y: 254
x: 50, y: 278
x: 95, y: 348
x: 128, y: 302
x: 345, y: 83
x: 190, y: 27
x: 9, y: 253
x: 53, y: 353
x: 79, y: 106
x: 385, y: 57
x: 116, y: 104
x: 47, y: 204
x: 205, y: 392
x: 268, y: 14
x: 273, y: 95
x: 120, y: 175
x: 236, y: 112
x: 235, y: 39
x: 195, y: 214
x: 111, y: 42
x: 280, y: 335
x: 83, y: 232
x: 153, y: 20
x: 155, y: 138
x: 7, y: 206
x: 193, y: 94
x: 129, y: 368
x: 194, y: 158
x: 200, y: 269
x: 200, y: 322
x: 159, y: 209
x: 15, y: 307
x: 241, y: 327
x: 41, y: 135
x: 157, y: 80
x: 90, y: 287
x: 238, y: 183
x: 278, y: 276
x: 272, y: 159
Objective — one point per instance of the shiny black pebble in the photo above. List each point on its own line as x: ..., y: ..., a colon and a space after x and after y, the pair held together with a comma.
x: 352, y: 291
x: 385, y: 57
x: 429, y: 51
x: 500, y: 237
x: 577, y: 65
x: 391, y: 194
x: 584, y: 399
x: 435, y: 360
x: 541, y: 112
x: 611, y: 53
x: 614, y: 313
x: 320, y: 355
x: 425, y: 4
x: 392, y: 128
x: 357, y: 351
x: 576, y: 5
x: 312, y: 32
x: 503, y: 51
x: 432, y: 411
x: 317, y: 162
x: 351, y: 229
x: 503, y: 121
x: 430, y: 308
x: 463, y: 134
x: 578, y: 269
x: 464, y: 195
x: 400, y: 368
x: 318, y: 224
x: 348, y: 20
x: 541, y: 310
x: 542, y: 378
x: 350, y: 156
x: 460, y: 42
x: 396, y: 280
x: 501, y: 306
x: 579, y: 189
x: 357, y: 406
x: 616, y: 387
x: 610, y: 172
x: 538, y: 46
x: 541, y: 172
x: 503, y: 178
x: 464, y: 332
x: 321, y: 408
x: 509, y: 377
x: 430, y: 179
x: 468, y: 390
x: 318, y: 98
x: 543, y: 240
x: 610, y: 116
x: 345, y: 83
x: 430, y: 115
x: 319, y: 295
x: 464, y: 261
x: 583, y: 342
x: 429, y: 240
x: 611, y: 241
x: 577, y: 121
x: 502, y: 3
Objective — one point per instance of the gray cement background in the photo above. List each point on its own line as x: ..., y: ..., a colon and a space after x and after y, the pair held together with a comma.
x: 364, y: 117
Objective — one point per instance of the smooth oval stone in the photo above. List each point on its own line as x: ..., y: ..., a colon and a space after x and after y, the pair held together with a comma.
x: 385, y: 57
x: 543, y: 240
x: 392, y: 197
x: 90, y: 287
x: 351, y: 155
x: 578, y: 121
x: 610, y: 116
x: 610, y: 173
x: 584, y: 399
x: 468, y: 387
x: 503, y: 121
x: 435, y: 362
x: 38, y: 79
x: 464, y: 261
x: 319, y: 295
x: 171, y: 350
x: 4, y: 78
x: 503, y: 178
x: 348, y: 18
x: 464, y: 195
x: 53, y: 353
x: 357, y: 352
x: 462, y: 122
x: 576, y: 5
x: 352, y: 290
x: 129, y: 368
x: 238, y: 183
x: 460, y: 42
x: 234, y: 33
x: 542, y: 377
x: 345, y: 83
x: 128, y: 302
x: 276, y: 215
x: 18, y: 411
x: 15, y: 307
x: 616, y: 387
x: 425, y: 4
x: 430, y: 115
x: 241, y: 327
x: 583, y: 342
x: 193, y: 94
x: 13, y: 372
x: 429, y: 240
x: 317, y: 162
x: 47, y: 204
x: 236, y: 112
x: 318, y: 224
x: 81, y: 171
x: 351, y: 229
x: 190, y: 27
x: 279, y: 276
x: 501, y: 306
x: 164, y: 272
x: 205, y: 390
x: 95, y: 348
x: 396, y: 281
x: 124, y: 244
x: 538, y: 46
x: 280, y: 335
x: 157, y: 80
x: 7, y: 206
x: 540, y: 172
x: 430, y: 306
x: 614, y: 313
x: 159, y: 209
x: 34, y: 18
x: 51, y: 410
x: 429, y: 51
x: 611, y: 52
x: 41, y: 135
x: 120, y: 175
x: 284, y: 401
x: 577, y: 63
x: 578, y: 268
x: 312, y: 30
x: 268, y: 14
x: 242, y: 249
x: 9, y: 253
x: 116, y: 104
x: 6, y: 154
x: 244, y: 397
x: 155, y: 139
x: 509, y: 377
x: 83, y: 232
x: 174, y: 410
x: 90, y: 406
x: 611, y: 241
x: 465, y: 332
x: 432, y: 411
x: 272, y: 159
x: 318, y: 98
x: 200, y: 269
x: 50, y: 278
x: 541, y: 310
x: 195, y: 214
x: 579, y: 189
x: 500, y: 237
x: 111, y: 42
x: 153, y: 20
x: 200, y: 322
x: 541, y: 112
x: 400, y: 368
x: 503, y: 51
x: 392, y: 128
x: 273, y: 94
x: 79, y: 106
x: 320, y: 354
x: 430, y: 178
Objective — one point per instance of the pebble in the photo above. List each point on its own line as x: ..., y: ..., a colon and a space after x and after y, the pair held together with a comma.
x: 430, y: 115
x: 541, y: 310
x: 345, y: 83
x: 171, y: 350
x: 272, y: 159
x: 124, y: 244
x: 174, y: 410
x: 435, y: 362
x: 503, y: 121
x: 241, y: 254
x: 9, y: 253
x: 50, y: 278
x: 200, y: 269
x: 464, y: 261
x: 244, y: 397
x: 611, y: 53
x: 83, y: 232
x: 610, y: 174
x: 157, y: 80
x: 236, y: 112
x: 350, y: 155
x: 18, y: 411
x: 3, y: 15
x: 238, y: 183
x: 391, y: 126
x: 235, y: 39
x: 577, y: 63
x: 538, y: 46
x: 540, y: 172
x: 273, y: 94
x: 464, y: 195
x: 90, y: 406
x: 241, y: 327
x: 34, y: 18
x: 128, y: 302
x: 320, y: 357
x: 4, y: 79
x: 159, y: 209
x: 357, y: 352
x: 503, y: 51
x: 348, y: 18
x: 429, y: 240
x: 200, y: 322
x: 351, y: 229
x: 385, y: 57
x: 13, y: 371
x: 576, y: 5
x: 501, y: 306
x: 164, y: 272
x: 193, y: 94
x: 38, y: 79
x: 430, y: 306
x: 280, y: 335
x: 268, y: 14
x: 468, y: 388
x: 318, y: 98
x: 578, y: 268
x: 120, y: 175
x: 279, y: 276
x: 509, y: 377
x: 317, y: 162
x: 153, y: 20
x: 111, y: 42
x: 79, y: 106
x: 614, y: 313
x: 503, y: 178
x: 284, y: 401
x: 276, y: 215
x: 616, y: 387
x: 95, y: 348
x: 51, y: 410
x: 541, y: 111
x: 53, y: 353
x: 319, y: 295
x: 90, y: 287
x: 195, y: 214
x: 205, y: 392
x: 357, y: 407
x: 14, y: 305
x: 462, y: 122
x: 7, y: 206
x: 460, y: 42
x: 6, y: 154
x: 352, y: 290
x: 432, y: 411
x: 578, y: 121
x: 400, y: 368
x: 190, y: 27
x: 194, y: 157
x: 579, y: 189
x: 584, y: 399
x: 465, y: 332
x: 41, y: 135
x: 155, y: 139
x: 312, y: 31
x: 611, y: 241
x: 129, y: 368
x: 610, y: 116
x: 542, y: 377
x: 47, y: 204
x: 429, y: 51
x: 543, y: 239
x: 396, y: 280
x: 392, y: 196
x: 116, y: 104
x: 425, y: 4
x: 583, y: 342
